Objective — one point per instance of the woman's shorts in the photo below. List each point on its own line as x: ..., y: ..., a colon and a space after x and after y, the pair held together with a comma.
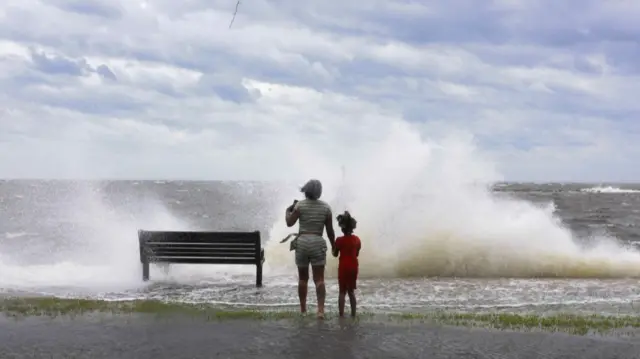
x: 311, y: 249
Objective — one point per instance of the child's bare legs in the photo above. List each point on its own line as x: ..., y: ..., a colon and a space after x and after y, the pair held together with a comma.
x: 352, y: 301
x: 341, y: 298
x: 303, y: 279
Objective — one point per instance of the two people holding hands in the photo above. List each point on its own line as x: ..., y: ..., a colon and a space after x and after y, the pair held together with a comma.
x: 314, y: 216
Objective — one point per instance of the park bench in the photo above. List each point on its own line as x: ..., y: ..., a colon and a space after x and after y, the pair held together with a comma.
x: 201, y: 248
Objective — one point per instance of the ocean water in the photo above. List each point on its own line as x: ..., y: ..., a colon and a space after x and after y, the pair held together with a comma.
x: 428, y: 243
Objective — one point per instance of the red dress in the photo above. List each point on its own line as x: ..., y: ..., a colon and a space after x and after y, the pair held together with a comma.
x: 348, y: 246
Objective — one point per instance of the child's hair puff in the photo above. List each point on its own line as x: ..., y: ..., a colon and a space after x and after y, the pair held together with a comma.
x: 346, y: 221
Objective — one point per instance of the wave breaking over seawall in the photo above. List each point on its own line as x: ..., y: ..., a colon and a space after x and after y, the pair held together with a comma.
x: 83, y: 244
x: 427, y: 209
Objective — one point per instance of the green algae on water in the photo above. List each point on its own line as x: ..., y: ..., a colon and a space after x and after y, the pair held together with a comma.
x: 49, y: 306
x: 570, y: 323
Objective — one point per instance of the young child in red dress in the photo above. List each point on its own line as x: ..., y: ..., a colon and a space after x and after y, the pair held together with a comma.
x: 348, y: 247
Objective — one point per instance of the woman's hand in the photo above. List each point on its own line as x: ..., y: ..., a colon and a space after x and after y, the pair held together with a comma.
x: 290, y: 208
x: 291, y: 214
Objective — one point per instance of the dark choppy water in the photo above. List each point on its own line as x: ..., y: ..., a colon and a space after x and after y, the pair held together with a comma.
x: 466, y: 251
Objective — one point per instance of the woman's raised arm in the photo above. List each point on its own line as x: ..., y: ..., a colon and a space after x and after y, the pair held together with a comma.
x: 291, y: 215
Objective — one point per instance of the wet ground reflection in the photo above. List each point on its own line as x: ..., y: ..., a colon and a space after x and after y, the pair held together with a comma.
x: 129, y: 336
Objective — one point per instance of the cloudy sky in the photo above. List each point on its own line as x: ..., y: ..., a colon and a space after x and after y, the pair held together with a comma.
x: 534, y: 89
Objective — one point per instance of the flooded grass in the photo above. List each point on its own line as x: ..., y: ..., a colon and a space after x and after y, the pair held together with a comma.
x: 569, y: 323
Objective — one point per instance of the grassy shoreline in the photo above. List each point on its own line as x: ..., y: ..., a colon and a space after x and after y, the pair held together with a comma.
x: 18, y: 307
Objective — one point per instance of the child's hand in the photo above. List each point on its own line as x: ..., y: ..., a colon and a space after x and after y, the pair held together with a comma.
x: 334, y: 252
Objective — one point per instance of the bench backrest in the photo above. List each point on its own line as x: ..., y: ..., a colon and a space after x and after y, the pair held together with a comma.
x: 200, y: 247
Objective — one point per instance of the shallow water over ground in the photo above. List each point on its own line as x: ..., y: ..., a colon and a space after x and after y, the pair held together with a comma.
x: 597, y: 296
x: 138, y: 337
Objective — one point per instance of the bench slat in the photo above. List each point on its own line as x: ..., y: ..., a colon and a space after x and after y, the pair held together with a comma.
x: 208, y: 244
x: 203, y: 248
x: 221, y: 247
x: 202, y: 254
x: 203, y: 260
x: 199, y: 237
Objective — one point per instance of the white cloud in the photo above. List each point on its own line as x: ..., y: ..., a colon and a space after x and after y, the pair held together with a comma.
x: 164, y: 89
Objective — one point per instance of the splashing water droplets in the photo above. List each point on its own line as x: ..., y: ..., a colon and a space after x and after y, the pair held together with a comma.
x: 426, y: 209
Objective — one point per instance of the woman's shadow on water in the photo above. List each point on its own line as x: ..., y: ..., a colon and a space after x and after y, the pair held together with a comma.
x: 331, y: 338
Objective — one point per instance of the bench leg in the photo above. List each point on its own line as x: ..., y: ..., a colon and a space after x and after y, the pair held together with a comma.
x: 145, y: 270
x: 259, y: 275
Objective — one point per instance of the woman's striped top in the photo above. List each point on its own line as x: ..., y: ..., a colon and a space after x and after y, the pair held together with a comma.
x: 313, y: 214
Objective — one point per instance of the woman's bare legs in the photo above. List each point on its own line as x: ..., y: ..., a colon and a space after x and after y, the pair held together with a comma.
x: 318, y: 279
x: 303, y: 279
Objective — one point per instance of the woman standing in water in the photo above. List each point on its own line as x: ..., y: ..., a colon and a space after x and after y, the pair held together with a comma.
x: 314, y: 216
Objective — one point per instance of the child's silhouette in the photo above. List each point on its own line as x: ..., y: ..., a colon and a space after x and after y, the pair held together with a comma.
x: 348, y: 247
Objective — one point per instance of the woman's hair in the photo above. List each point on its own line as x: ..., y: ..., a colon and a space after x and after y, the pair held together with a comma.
x: 312, y: 189
x: 346, y: 221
